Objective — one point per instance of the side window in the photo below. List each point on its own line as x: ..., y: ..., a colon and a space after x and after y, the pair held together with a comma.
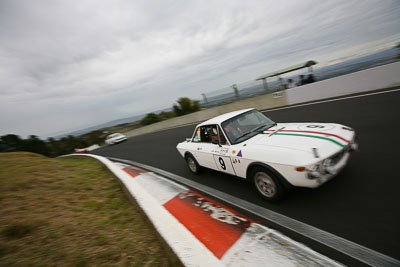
x: 197, y: 136
x: 205, y: 134
x: 210, y: 133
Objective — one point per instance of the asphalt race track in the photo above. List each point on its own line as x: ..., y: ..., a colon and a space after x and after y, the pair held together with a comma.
x: 361, y: 204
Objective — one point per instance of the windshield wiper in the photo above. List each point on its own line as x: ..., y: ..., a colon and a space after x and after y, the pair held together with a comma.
x: 245, y: 134
x: 272, y: 125
x: 259, y: 127
x: 257, y: 130
x: 280, y: 129
x: 264, y: 127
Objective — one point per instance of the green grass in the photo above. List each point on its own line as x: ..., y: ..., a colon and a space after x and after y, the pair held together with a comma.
x: 71, y: 212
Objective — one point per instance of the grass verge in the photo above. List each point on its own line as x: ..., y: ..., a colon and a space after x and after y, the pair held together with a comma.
x: 70, y: 212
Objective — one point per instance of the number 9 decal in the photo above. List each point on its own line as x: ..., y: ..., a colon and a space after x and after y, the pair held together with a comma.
x: 221, y: 161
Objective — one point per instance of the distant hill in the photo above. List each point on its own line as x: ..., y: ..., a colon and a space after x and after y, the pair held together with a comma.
x: 101, y: 126
x: 109, y: 124
x: 357, y: 64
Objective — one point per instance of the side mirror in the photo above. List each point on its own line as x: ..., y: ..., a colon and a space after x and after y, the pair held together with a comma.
x: 214, y: 141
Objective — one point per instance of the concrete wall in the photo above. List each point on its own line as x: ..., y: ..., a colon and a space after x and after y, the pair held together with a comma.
x: 367, y: 80
x: 372, y: 79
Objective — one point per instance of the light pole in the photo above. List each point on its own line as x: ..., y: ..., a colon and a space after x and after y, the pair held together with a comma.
x: 235, y: 89
x: 205, y: 98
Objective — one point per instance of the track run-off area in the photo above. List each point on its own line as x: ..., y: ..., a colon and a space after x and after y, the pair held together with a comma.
x: 361, y: 204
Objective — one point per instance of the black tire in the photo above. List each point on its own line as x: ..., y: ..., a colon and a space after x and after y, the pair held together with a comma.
x: 267, y: 184
x: 192, y: 164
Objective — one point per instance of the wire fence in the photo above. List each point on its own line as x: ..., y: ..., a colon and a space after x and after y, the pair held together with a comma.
x: 254, y: 88
x: 238, y: 92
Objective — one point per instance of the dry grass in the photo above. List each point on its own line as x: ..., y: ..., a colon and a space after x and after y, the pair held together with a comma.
x: 70, y: 212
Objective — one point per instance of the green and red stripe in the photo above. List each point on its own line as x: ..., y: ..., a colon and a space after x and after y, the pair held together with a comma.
x: 305, y: 134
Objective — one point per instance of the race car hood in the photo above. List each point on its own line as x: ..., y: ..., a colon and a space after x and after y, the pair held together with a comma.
x: 325, y: 139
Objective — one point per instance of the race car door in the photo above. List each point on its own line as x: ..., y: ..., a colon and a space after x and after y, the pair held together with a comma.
x: 221, y: 154
x: 210, y: 152
x: 222, y: 159
x: 202, y: 147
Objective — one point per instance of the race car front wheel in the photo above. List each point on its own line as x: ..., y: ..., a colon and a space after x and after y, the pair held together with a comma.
x: 192, y: 164
x: 267, y: 184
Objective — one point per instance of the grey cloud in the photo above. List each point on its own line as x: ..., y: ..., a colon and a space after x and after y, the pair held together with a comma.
x: 86, y: 62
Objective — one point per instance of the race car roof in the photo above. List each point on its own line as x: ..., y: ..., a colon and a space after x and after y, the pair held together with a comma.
x: 221, y: 118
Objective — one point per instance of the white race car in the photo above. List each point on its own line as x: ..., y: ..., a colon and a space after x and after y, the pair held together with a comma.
x: 115, y: 138
x: 274, y: 157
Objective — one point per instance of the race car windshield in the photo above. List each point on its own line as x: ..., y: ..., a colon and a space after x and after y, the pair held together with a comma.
x: 246, y: 125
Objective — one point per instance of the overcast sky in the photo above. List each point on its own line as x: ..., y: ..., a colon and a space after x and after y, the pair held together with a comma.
x: 68, y: 65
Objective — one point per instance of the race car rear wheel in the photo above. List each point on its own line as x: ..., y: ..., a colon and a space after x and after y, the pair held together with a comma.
x: 192, y: 164
x: 267, y: 184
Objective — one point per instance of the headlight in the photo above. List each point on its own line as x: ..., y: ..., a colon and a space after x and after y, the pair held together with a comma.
x: 313, y: 175
x: 327, y: 164
x: 320, y: 168
x: 314, y: 171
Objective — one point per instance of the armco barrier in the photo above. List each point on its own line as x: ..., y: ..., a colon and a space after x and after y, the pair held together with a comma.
x: 381, y: 77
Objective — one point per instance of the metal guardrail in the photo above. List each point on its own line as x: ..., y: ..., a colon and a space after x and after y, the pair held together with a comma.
x: 237, y: 92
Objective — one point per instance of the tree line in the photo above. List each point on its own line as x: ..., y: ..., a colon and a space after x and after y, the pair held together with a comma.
x: 185, y: 106
x: 66, y: 145
x: 51, y: 147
